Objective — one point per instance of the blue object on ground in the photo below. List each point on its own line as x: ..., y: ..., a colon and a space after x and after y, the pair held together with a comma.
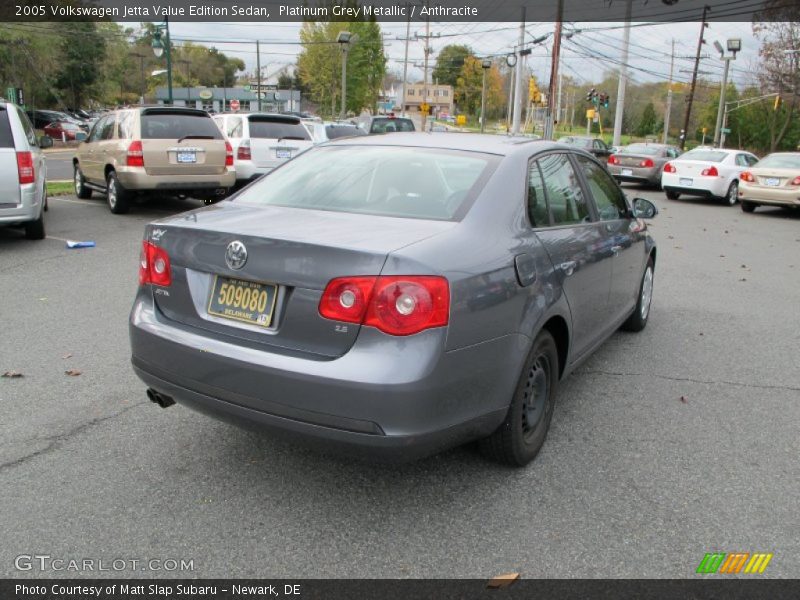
x: 72, y: 244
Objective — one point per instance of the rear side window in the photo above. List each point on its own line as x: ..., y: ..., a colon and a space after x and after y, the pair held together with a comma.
x: 399, y: 182
x: 173, y: 125
x: 391, y: 125
x: 125, y: 125
x: 6, y: 137
x: 537, y: 200
x: 275, y: 129
x: 27, y: 128
x: 564, y: 194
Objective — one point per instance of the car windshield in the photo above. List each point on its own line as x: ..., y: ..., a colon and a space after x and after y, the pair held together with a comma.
x: 704, y: 155
x: 377, y: 180
x: 387, y: 125
x: 642, y: 149
x: 780, y: 161
x: 574, y: 141
x: 173, y: 125
x: 276, y: 129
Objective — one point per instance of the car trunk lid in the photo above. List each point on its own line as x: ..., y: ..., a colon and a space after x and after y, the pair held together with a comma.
x: 292, y: 254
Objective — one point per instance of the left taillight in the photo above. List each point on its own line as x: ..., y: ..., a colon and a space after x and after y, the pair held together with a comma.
x: 795, y: 181
x: 228, y: 154
x: 25, y: 167
x: 154, y: 267
x: 398, y: 304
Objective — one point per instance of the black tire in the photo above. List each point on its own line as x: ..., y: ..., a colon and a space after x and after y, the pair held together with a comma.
x: 518, y: 440
x: 732, y: 197
x: 672, y: 195
x: 748, y: 207
x: 116, y: 195
x: 638, y: 320
x: 34, y: 230
x: 81, y: 191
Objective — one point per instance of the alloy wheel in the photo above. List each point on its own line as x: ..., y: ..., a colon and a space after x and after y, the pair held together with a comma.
x: 647, y: 293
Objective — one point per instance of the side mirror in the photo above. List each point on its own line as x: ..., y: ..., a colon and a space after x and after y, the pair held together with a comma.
x: 644, y: 209
x: 45, y: 142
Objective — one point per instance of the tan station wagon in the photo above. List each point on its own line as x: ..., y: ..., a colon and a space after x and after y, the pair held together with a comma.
x: 179, y: 151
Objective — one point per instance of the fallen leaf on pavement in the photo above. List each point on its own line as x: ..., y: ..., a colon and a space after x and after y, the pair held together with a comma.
x: 671, y: 237
x: 12, y: 374
x: 701, y: 333
x: 726, y: 231
x: 504, y: 580
x: 744, y: 266
x: 72, y: 372
x: 684, y: 399
x: 722, y: 256
x: 66, y: 356
x: 743, y: 279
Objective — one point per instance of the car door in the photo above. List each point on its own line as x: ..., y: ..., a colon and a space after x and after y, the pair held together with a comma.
x: 564, y: 223
x: 106, y: 145
x: 624, y: 238
x: 88, y: 156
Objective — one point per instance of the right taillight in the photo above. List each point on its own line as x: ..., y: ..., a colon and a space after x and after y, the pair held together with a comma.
x: 228, y: 154
x: 154, y: 266
x: 613, y: 160
x: 668, y: 168
x: 243, y: 151
x: 25, y: 167
x: 747, y: 176
x: 397, y: 304
x: 135, y: 154
x: 795, y: 181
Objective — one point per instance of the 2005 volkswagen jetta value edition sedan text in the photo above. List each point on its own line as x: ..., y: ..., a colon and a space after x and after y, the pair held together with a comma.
x: 395, y: 295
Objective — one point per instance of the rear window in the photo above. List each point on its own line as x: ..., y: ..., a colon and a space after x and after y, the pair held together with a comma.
x: 388, y: 125
x: 579, y: 142
x: 706, y: 155
x: 780, y: 161
x: 377, y: 180
x: 6, y: 137
x: 642, y: 149
x: 343, y: 131
x: 172, y: 125
x: 276, y: 129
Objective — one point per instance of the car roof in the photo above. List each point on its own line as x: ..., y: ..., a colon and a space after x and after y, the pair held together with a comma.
x: 470, y: 142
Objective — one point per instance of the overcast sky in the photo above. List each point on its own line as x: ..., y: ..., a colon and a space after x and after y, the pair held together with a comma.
x: 586, y: 56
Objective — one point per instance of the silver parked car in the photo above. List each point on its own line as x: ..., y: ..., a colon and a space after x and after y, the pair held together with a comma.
x: 395, y: 295
x: 23, y: 172
x: 641, y: 163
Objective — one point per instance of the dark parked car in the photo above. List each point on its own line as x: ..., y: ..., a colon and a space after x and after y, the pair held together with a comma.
x: 388, y: 124
x: 641, y: 163
x: 395, y: 295
x: 594, y: 145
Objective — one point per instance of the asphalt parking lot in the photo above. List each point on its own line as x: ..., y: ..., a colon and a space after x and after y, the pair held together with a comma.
x: 665, y: 445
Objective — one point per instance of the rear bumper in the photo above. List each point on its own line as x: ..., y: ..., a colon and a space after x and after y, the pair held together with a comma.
x: 135, y: 178
x: 706, y: 187
x: 394, y: 401
x: 768, y: 195
x: 637, y: 174
x: 247, y: 170
x: 28, y: 209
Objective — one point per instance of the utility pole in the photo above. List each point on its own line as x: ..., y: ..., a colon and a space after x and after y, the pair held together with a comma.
x: 549, y: 126
x: 405, y: 60
x: 425, y: 72
x: 700, y: 43
x: 519, y: 90
x: 669, y: 94
x: 141, y: 58
x: 258, y: 75
x: 734, y: 45
x: 623, y: 76
x: 510, y: 110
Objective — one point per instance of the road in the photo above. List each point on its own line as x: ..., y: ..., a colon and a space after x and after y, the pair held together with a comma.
x: 665, y: 445
x: 59, y: 164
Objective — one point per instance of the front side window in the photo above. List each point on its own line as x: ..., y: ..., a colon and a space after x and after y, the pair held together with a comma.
x: 98, y: 129
x: 564, y: 194
x: 608, y: 197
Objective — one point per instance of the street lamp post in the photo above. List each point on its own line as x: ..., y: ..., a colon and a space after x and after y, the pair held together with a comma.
x: 344, y: 38
x: 159, y: 47
x: 485, y: 65
x: 734, y: 45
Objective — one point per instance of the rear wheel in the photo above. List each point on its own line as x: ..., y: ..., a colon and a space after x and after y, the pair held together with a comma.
x: 116, y: 195
x: 81, y: 191
x: 638, y: 320
x: 748, y: 206
x: 34, y: 230
x: 672, y: 195
x: 518, y: 440
x: 732, y: 197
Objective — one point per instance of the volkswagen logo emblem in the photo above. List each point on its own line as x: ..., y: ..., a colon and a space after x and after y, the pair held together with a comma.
x: 236, y: 255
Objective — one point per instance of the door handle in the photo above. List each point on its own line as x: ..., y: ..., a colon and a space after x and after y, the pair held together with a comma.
x: 615, y: 250
x: 568, y: 267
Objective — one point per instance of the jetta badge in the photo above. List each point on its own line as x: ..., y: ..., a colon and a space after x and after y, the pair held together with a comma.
x: 236, y: 255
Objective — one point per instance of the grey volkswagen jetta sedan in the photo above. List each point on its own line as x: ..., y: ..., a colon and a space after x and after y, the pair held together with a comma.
x: 395, y: 295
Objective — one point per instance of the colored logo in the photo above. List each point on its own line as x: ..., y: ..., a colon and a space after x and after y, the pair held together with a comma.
x: 734, y: 562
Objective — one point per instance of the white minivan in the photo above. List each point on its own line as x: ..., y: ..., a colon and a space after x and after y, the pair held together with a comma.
x: 262, y: 141
x: 23, y: 172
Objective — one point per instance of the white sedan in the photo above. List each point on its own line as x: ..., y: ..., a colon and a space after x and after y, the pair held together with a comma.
x: 706, y: 172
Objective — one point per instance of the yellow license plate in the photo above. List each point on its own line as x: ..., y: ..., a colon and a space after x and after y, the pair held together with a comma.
x: 241, y: 300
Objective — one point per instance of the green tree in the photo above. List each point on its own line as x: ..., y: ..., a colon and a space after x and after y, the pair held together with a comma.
x: 648, y: 122
x: 450, y: 62
x: 82, y: 53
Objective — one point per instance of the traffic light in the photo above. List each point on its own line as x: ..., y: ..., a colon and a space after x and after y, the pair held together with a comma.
x: 777, y: 104
x: 591, y: 95
x: 605, y: 100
